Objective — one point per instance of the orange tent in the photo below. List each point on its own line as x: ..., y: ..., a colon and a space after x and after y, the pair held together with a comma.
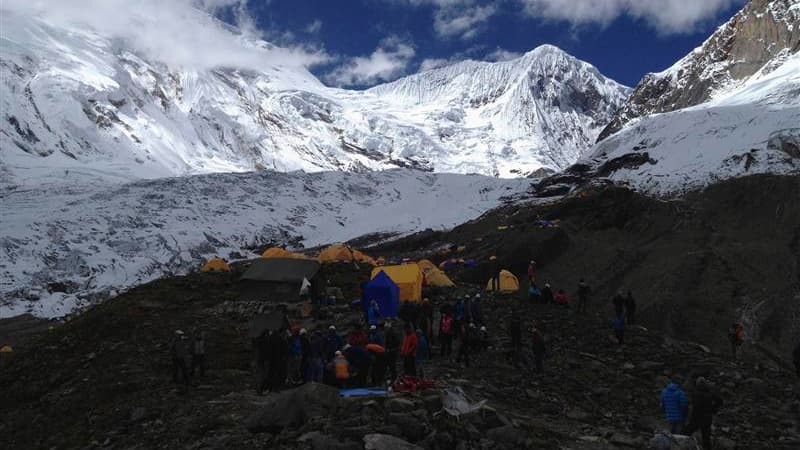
x: 362, y: 257
x: 336, y: 253
x: 277, y: 252
x: 408, y: 277
x: 216, y: 265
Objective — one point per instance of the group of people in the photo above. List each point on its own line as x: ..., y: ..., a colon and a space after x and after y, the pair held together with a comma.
x: 188, y: 356
x: 705, y: 403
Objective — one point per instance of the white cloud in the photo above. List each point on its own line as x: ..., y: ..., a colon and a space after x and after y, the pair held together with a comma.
x: 463, y: 21
x: 314, y: 27
x: 501, y: 54
x: 176, y: 32
x: 666, y: 16
x: 389, y: 61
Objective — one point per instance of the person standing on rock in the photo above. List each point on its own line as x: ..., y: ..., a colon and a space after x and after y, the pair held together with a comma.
x: 180, y: 356
x: 584, y: 291
x: 538, y: 348
x: 199, y: 354
x: 796, y: 357
x: 393, y: 343
x: 736, y: 338
x: 619, y: 304
x: 409, y: 352
x: 446, y: 328
x: 630, y: 308
x: 705, y: 403
x: 674, y: 404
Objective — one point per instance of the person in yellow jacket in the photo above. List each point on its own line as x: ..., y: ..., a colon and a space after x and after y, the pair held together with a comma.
x: 341, y: 368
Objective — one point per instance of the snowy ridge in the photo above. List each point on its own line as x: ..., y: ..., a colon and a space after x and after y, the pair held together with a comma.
x: 754, y: 42
x: 100, y: 238
x: 752, y: 129
x: 78, y: 105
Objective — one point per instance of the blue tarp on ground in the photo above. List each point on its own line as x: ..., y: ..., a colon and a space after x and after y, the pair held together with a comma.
x: 384, y: 291
x: 362, y: 392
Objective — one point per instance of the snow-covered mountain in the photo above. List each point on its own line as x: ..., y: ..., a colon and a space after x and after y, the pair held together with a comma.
x: 750, y: 130
x: 77, y: 104
x: 64, y: 248
x: 754, y: 42
x: 540, y: 110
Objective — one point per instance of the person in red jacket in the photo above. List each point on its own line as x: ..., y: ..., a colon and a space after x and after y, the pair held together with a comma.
x: 409, y: 352
x: 357, y: 337
x: 561, y: 298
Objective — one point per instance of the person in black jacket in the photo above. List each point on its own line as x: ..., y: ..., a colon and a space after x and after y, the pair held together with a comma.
x: 619, y: 304
x: 393, y: 343
x: 583, y: 295
x: 705, y: 403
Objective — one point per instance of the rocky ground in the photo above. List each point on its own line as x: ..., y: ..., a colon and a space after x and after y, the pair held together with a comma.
x: 102, y: 379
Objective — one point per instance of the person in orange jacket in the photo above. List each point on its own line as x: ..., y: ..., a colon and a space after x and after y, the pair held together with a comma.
x: 341, y: 368
x: 409, y: 352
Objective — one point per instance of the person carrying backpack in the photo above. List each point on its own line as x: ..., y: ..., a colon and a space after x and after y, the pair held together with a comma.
x: 736, y: 338
x: 674, y: 404
x: 705, y: 403
x: 562, y: 299
x: 534, y: 294
x: 446, y: 334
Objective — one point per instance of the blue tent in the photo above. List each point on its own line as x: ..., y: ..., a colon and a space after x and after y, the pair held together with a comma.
x: 383, y: 290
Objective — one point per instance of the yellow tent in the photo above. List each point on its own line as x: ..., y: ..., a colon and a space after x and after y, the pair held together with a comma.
x: 277, y: 252
x: 6, y: 349
x: 426, y: 266
x: 335, y: 253
x: 362, y: 257
x: 436, y: 277
x: 407, y: 277
x: 508, y: 282
x: 216, y: 265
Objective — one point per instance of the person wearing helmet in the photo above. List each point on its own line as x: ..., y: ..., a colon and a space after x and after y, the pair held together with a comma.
x: 375, y: 336
x: 341, y: 368
x: 547, y: 294
x: 333, y: 342
x: 532, y: 272
x: 584, y: 291
x: 393, y: 343
x: 409, y: 352
x: 483, y: 339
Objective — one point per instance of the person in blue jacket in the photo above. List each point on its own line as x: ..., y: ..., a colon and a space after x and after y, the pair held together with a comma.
x: 375, y: 336
x: 674, y: 403
x: 373, y: 313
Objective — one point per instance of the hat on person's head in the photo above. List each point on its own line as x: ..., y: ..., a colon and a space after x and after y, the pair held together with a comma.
x: 338, y: 353
x: 483, y: 328
x: 303, y: 331
x: 179, y: 332
x: 477, y: 295
x: 387, y: 324
x: 346, y: 346
x: 547, y: 285
x: 332, y: 328
x: 373, y: 327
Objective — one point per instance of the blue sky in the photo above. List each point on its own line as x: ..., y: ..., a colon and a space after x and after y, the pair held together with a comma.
x: 624, y: 38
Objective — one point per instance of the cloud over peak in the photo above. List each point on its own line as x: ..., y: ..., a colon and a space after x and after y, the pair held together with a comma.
x: 387, y: 62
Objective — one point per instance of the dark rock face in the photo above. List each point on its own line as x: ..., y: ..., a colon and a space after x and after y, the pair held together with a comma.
x: 758, y: 38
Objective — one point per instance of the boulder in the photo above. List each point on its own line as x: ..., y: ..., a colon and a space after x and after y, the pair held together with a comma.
x: 411, y: 426
x: 399, y: 405
x: 666, y: 441
x: 387, y: 442
x: 294, y: 407
x: 507, y: 434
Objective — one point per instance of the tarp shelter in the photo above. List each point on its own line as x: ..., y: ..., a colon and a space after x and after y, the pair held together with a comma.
x: 215, y: 265
x: 407, y: 277
x: 273, y: 321
x: 276, y: 252
x: 508, y: 282
x: 280, y: 279
x: 384, y: 291
x: 336, y: 253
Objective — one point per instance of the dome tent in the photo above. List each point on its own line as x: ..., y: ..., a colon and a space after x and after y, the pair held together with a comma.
x: 508, y: 282
x: 407, y: 277
x: 336, y: 253
x: 216, y: 265
x: 277, y: 252
x: 385, y: 292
